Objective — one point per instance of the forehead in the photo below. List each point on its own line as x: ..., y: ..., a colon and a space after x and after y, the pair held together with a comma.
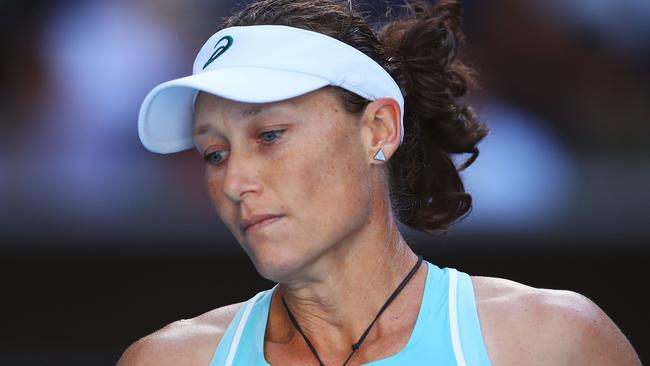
x: 208, y: 106
x: 211, y: 110
x: 206, y: 102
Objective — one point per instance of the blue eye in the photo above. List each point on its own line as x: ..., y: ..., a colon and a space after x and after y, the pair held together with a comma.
x: 270, y: 136
x: 214, y: 157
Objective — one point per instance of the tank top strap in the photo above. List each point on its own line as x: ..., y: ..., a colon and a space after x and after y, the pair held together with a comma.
x: 467, y: 338
x: 430, y: 341
x: 250, y: 318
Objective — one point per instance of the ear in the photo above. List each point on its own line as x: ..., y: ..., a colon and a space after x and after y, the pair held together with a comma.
x: 381, y: 127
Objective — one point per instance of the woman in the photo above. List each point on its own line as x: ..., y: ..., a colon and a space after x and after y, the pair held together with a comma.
x: 318, y: 136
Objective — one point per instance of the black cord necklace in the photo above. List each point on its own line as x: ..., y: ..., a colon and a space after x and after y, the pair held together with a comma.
x: 356, y: 346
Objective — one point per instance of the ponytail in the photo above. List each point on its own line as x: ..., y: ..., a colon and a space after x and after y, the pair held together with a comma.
x: 426, y: 189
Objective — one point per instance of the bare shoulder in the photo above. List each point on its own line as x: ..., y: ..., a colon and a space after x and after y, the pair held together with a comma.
x: 184, y: 342
x: 526, y: 325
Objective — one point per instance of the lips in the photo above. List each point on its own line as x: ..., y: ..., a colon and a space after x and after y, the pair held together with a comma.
x: 256, y: 221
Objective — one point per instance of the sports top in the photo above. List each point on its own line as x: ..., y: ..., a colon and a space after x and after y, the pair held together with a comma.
x: 446, y: 332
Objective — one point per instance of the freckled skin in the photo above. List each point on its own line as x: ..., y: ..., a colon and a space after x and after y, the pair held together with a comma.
x: 316, y: 174
x: 337, y: 255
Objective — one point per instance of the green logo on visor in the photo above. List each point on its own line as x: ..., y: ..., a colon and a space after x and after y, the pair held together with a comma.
x: 220, y: 49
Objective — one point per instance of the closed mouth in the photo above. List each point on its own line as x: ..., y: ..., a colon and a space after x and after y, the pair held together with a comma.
x: 260, y: 224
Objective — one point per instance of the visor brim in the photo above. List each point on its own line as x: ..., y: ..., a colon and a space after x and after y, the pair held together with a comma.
x: 166, y: 117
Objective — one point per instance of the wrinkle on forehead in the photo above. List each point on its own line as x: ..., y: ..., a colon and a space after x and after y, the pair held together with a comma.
x: 247, y: 112
x: 252, y: 111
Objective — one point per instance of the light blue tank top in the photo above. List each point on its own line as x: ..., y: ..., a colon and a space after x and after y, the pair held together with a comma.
x: 446, y: 332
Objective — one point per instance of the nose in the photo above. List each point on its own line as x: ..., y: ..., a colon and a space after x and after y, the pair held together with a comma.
x: 241, y: 176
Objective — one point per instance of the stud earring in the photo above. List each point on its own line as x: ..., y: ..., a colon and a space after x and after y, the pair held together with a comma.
x: 379, y: 156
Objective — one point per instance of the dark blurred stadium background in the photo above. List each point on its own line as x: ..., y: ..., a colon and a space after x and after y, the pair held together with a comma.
x: 102, y: 242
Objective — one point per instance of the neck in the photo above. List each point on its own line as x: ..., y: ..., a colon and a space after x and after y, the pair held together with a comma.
x: 336, y: 301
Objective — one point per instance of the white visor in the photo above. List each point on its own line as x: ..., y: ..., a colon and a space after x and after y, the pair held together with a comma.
x: 259, y: 64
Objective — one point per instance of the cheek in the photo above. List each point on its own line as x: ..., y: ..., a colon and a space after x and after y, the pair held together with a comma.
x: 225, y: 209
x: 330, y: 180
x: 213, y: 184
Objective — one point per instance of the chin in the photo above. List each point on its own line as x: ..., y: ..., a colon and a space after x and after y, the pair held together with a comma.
x: 275, y: 264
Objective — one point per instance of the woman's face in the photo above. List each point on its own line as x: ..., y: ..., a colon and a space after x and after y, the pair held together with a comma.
x: 300, y: 160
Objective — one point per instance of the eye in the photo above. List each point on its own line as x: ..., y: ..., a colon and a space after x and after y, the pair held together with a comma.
x: 215, y: 158
x: 270, y: 136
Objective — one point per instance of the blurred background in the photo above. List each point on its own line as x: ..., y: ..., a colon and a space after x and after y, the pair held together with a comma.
x: 102, y: 242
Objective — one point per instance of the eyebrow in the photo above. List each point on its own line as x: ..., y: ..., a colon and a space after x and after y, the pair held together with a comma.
x: 249, y: 112
x: 201, y: 130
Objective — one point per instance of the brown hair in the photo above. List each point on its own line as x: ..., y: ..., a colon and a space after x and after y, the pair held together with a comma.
x: 419, y: 49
